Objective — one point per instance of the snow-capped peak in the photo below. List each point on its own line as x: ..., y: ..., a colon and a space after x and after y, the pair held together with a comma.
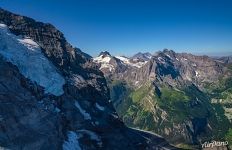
x: 131, y: 62
x: 111, y: 63
x: 123, y: 59
x: 105, y: 53
x: 104, y: 61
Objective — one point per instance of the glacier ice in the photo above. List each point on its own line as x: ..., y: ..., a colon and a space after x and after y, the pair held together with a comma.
x: 27, y: 56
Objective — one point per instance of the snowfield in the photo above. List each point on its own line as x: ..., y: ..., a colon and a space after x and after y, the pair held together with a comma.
x: 104, y: 61
x: 101, y: 59
x: 27, y: 56
x: 127, y: 62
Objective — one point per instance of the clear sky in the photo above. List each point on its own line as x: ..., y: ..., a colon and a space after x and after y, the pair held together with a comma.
x: 124, y: 27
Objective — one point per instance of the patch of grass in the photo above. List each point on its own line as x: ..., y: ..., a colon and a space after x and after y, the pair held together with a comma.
x: 229, y: 67
x: 218, y: 121
x: 140, y: 93
x: 144, y: 120
x: 171, y: 96
x: 175, y: 103
x: 221, y: 89
x: 228, y: 136
x: 185, y: 146
x: 224, y: 84
x: 136, y: 116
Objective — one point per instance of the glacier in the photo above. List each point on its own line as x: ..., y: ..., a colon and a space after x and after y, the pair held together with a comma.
x: 29, y: 59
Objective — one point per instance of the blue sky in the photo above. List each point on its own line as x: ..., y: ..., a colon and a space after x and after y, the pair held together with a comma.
x: 124, y: 27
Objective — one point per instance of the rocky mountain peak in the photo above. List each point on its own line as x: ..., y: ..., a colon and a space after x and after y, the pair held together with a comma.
x: 141, y: 56
x: 104, y: 54
x: 168, y: 51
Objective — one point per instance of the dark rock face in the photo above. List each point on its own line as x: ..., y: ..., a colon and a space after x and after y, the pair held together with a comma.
x: 142, y: 56
x: 225, y: 59
x: 104, y: 53
x: 23, y: 123
x: 33, y: 119
x: 176, y: 68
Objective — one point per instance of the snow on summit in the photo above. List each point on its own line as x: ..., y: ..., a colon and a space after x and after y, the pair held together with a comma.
x: 127, y: 61
x: 104, y: 61
x: 27, y: 56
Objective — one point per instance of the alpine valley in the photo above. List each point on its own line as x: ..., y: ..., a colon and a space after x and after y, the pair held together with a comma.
x: 185, y: 98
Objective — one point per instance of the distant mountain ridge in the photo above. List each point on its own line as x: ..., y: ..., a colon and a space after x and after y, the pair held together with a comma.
x: 117, y: 64
x: 225, y: 59
x: 142, y: 56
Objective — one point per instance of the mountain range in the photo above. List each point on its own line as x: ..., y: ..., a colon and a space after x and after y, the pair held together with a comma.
x: 182, y: 97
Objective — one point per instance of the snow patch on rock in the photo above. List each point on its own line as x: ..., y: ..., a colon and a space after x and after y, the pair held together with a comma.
x: 100, y: 107
x: 168, y: 56
x: 136, y: 82
x: 29, y: 43
x: 3, y: 26
x: 77, y: 80
x: 123, y: 59
x: 161, y: 60
x: 194, y: 65
x: 126, y: 61
x: 93, y: 136
x: 28, y: 57
x: 185, y: 59
x: 197, y: 74
x: 82, y: 111
x: 102, y: 59
x: 105, y: 65
x: 72, y: 142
